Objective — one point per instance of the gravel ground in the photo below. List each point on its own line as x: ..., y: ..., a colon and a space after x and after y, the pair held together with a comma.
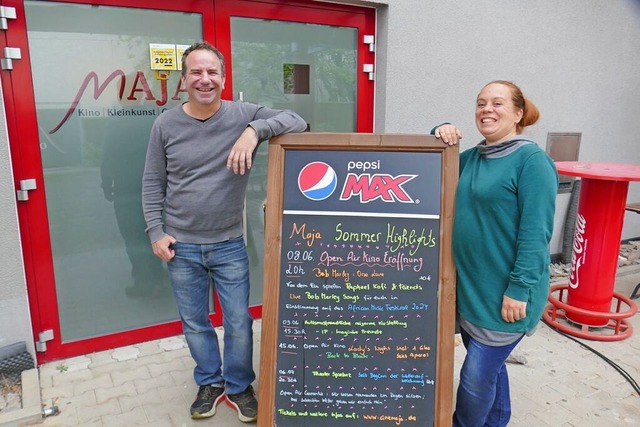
x: 10, y: 396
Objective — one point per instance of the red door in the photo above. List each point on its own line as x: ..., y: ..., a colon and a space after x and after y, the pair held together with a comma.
x: 86, y: 78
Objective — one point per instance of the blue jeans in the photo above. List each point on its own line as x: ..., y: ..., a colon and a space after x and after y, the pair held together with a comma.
x: 483, y: 393
x: 193, y: 270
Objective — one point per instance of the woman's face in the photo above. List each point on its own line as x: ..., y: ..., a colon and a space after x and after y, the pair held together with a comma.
x: 496, y: 115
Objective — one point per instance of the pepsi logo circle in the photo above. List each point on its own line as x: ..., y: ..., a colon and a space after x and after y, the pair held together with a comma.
x: 317, y: 181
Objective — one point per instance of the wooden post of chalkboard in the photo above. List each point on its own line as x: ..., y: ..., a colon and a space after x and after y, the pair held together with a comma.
x: 359, y: 282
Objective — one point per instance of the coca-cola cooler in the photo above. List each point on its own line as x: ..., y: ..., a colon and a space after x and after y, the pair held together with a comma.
x: 588, y: 306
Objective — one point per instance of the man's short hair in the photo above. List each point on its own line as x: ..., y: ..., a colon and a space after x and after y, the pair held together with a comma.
x: 202, y: 46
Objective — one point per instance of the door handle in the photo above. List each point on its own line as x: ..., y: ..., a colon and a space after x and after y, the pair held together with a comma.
x: 26, y: 185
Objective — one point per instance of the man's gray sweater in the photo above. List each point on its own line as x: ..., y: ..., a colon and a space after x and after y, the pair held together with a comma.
x: 186, y: 176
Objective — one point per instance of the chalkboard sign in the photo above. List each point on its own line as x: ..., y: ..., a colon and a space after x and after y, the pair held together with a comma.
x: 358, y: 281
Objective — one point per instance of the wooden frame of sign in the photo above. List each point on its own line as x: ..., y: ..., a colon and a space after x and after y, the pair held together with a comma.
x: 359, y: 284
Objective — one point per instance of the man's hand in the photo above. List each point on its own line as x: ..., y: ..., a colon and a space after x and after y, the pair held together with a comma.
x: 162, y: 248
x: 513, y: 310
x: 240, y: 157
x: 449, y: 134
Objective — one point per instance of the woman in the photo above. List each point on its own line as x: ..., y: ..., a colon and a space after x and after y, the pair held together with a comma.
x: 505, y: 205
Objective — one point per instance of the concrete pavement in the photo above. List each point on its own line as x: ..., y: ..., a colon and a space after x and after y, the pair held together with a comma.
x: 151, y: 384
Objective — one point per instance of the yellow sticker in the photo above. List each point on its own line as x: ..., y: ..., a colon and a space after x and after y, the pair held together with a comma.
x: 181, y: 48
x: 163, y: 56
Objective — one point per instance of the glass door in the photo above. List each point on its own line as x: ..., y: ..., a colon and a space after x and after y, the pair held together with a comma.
x: 98, y: 85
x: 302, y: 59
x: 94, y: 125
x: 80, y: 102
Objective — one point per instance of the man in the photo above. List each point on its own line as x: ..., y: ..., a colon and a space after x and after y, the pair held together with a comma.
x: 194, y: 185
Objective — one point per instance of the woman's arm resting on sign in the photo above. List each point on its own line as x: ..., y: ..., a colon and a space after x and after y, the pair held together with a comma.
x: 448, y: 133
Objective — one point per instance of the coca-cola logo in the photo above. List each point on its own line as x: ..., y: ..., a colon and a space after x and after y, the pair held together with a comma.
x: 578, y: 252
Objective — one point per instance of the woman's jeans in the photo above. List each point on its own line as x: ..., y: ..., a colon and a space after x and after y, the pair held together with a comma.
x: 483, y: 393
x: 193, y: 270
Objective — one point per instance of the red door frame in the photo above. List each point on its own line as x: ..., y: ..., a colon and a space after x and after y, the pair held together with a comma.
x: 32, y: 215
x: 308, y: 12
x: 19, y: 102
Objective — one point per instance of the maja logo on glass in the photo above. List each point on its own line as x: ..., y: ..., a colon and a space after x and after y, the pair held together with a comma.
x: 139, y: 85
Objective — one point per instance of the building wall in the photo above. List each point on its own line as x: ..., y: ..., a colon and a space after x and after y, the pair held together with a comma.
x: 576, y: 59
x: 15, y: 323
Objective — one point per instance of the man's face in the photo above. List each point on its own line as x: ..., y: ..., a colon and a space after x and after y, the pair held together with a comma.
x: 203, y: 78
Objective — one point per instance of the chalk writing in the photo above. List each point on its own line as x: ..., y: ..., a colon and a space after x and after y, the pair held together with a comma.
x: 358, y: 309
x: 353, y: 321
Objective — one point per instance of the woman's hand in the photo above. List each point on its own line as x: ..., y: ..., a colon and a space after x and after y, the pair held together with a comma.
x: 449, y: 134
x: 513, y: 310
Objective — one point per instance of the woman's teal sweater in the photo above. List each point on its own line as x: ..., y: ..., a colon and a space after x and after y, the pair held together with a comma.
x: 503, y: 224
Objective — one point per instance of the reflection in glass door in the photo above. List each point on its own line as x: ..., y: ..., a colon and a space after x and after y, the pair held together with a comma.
x: 96, y: 98
x: 308, y: 68
x: 86, y: 76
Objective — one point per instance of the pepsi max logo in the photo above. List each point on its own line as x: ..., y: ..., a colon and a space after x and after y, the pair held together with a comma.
x: 317, y: 181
